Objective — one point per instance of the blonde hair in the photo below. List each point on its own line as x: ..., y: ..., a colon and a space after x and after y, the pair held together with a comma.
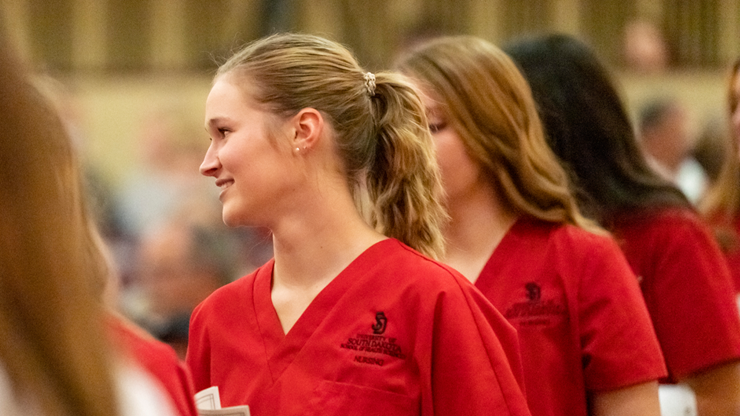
x: 490, y: 106
x: 53, y: 346
x: 382, y: 139
x: 722, y: 202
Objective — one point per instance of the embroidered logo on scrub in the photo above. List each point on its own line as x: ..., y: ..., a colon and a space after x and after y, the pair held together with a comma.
x: 374, y: 343
x: 380, y: 321
x: 535, y: 311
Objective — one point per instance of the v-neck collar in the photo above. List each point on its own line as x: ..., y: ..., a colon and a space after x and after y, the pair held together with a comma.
x: 501, y: 254
x: 281, y: 348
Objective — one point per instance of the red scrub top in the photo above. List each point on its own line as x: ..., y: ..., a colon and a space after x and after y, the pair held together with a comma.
x: 577, y: 308
x: 727, y: 232
x: 686, y: 285
x: 395, y: 333
x: 157, y: 359
x: 732, y: 254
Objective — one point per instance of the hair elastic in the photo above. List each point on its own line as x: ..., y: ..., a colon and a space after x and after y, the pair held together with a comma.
x: 370, y: 83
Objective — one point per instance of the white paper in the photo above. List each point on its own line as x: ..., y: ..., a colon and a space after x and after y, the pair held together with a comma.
x: 227, y: 411
x: 208, y: 402
x: 677, y: 400
x: 208, y: 399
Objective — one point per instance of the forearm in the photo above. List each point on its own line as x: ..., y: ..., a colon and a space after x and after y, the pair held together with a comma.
x: 640, y: 399
x: 717, y: 390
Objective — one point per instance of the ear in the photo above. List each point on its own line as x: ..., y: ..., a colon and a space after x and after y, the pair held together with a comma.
x: 308, y: 125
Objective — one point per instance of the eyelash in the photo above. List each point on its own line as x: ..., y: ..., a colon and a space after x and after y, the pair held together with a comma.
x: 437, y: 127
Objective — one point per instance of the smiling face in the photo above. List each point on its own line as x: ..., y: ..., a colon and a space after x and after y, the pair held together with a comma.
x: 251, y: 166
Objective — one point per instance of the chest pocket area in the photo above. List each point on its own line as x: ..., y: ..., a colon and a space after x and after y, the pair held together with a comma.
x: 332, y: 398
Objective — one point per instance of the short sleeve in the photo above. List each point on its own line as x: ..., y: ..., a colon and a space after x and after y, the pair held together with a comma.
x: 690, y: 297
x: 476, y: 362
x: 615, y: 324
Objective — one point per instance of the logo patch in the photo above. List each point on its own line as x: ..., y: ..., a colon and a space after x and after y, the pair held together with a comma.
x: 374, y: 343
x: 535, y: 311
x: 380, y: 322
x: 534, y: 291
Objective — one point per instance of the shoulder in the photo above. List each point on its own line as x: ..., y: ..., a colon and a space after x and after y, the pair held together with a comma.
x: 571, y: 242
x: 568, y: 233
x: 671, y: 225
x: 674, y: 240
x: 137, y: 342
x: 659, y: 218
x: 414, y: 268
x: 231, y: 295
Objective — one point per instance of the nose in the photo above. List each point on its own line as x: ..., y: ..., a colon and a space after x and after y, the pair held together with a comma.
x: 210, y: 164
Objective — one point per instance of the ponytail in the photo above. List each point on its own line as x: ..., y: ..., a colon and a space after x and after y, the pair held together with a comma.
x: 381, y: 132
x: 403, y: 181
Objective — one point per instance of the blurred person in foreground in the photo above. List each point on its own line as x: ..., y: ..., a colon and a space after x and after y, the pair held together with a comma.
x: 684, y: 278
x: 170, y: 376
x: 721, y: 206
x: 588, y: 347
x: 55, y: 357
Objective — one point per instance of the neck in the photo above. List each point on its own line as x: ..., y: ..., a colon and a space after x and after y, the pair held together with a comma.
x: 478, y: 224
x: 314, y: 245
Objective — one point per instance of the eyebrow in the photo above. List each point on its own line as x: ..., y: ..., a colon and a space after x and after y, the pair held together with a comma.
x: 215, y: 120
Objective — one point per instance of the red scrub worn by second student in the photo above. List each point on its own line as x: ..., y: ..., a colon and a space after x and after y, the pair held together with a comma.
x: 159, y: 360
x: 687, y: 288
x: 393, y: 334
x: 577, y: 308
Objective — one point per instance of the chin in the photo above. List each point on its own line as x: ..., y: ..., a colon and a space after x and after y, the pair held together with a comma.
x: 229, y: 218
x: 230, y: 222
x: 237, y: 218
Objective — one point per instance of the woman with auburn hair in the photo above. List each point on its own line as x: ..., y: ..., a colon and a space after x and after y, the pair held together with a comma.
x: 684, y: 279
x: 721, y: 205
x: 516, y: 232
x: 349, y: 317
x: 55, y: 358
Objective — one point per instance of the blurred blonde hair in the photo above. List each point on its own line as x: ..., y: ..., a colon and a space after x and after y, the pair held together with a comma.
x: 382, y: 139
x: 53, y: 346
x: 490, y: 106
x: 724, y: 198
x: 721, y: 205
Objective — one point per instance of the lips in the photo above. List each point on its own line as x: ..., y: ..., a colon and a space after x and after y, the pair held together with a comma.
x: 224, y: 184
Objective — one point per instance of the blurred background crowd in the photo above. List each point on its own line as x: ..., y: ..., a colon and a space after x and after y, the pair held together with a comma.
x: 130, y: 78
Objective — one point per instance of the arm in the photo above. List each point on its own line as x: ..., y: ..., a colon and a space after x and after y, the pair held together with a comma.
x: 717, y: 390
x: 640, y: 399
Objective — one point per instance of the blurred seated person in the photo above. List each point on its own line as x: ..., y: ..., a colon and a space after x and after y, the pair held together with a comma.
x: 713, y: 146
x: 179, y: 264
x: 665, y: 138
